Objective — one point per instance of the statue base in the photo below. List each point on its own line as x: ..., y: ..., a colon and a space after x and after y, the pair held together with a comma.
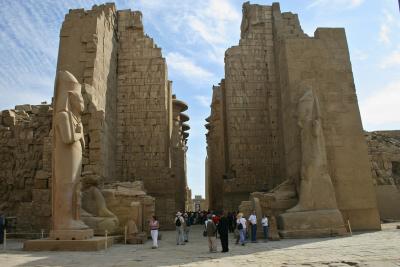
x: 309, y: 224
x: 92, y: 244
x: 82, y: 234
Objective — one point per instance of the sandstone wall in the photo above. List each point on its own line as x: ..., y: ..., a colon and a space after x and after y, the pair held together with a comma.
x: 384, y: 151
x: 25, y: 166
x: 144, y: 115
x: 252, y: 109
x: 323, y: 63
x: 88, y: 50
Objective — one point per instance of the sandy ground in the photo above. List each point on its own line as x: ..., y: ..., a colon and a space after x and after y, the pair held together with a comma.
x: 380, y: 248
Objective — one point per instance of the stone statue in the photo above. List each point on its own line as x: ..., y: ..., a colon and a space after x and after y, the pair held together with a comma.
x: 68, y: 141
x: 94, y: 209
x: 316, y: 189
x: 316, y: 213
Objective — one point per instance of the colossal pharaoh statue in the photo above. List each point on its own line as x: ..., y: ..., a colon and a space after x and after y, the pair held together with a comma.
x: 314, y: 175
x: 68, y: 141
x: 316, y: 213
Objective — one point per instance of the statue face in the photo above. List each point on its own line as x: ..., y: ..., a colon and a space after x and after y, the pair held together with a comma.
x: 76, y: 100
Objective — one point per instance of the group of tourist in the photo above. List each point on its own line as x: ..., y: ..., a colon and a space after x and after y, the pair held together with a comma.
x: 216, y: 225
x: 221, y: 224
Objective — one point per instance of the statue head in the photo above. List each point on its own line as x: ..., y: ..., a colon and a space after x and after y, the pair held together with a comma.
x: 306, y: 105
x: 68, y: 96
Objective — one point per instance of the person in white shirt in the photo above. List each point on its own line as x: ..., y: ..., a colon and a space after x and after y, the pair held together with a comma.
x: 264, y: 223
x: 179, y: 221
x: 253, y: 223
x: 241, y: 225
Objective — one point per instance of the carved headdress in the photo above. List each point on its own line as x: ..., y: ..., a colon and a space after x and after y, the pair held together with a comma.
x: 65, y: 83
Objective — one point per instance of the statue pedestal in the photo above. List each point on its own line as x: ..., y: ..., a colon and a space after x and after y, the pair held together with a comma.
x: 69, y: 240
x: 92, y: 244
x: 71, y: 234
x: 309, y: 224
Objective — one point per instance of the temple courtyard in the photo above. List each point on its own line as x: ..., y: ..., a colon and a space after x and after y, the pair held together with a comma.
x: 381, y: 248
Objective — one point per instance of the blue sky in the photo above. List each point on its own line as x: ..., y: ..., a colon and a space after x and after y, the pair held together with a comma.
x: 194, y: 36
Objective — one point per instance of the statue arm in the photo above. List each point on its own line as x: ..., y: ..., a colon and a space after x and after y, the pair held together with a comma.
x: 64, y: 128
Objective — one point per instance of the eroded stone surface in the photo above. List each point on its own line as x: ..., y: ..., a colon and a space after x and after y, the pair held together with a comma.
x: 384, y: 151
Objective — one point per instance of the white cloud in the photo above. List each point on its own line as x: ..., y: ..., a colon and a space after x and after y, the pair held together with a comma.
x: 212, y: 21
x: 381, y: 110
x: 391, y: 60
x: 337, y: 4
x: 186, y: 67
x: 386, y: 27
x: 384, y: 34
x: 204, y: 100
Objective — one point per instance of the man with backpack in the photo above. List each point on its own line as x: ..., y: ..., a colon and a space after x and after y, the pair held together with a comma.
x: 179, y: 222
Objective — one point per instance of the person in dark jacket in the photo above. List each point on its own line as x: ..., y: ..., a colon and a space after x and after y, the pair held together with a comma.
x: 223, y: 230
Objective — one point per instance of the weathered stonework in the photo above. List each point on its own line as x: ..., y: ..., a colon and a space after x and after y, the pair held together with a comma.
x: 384, y: 151
x: 25, y: 166
x: 134, y: 130
x: 265, y: 76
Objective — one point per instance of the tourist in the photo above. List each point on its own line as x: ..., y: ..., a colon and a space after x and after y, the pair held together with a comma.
x: 154, y: 226
x: 211, y: 229
x: 264, y: 223
x: 234, y: 216
x: 253, y: 224
x: 230, y: 222
x: 215, y: 219
x: 241, y: 226
x: 223, y: 230
x: 186, y: 227
x: 179, y: 221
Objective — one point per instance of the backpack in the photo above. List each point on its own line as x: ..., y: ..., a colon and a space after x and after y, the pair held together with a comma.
x: 240, y: 226
x: 178, y: 222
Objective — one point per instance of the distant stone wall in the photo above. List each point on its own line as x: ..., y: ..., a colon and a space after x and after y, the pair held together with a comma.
x: 384, y: 151
x: 252, y: 111
x: 145, y: 133
x: 25, y: 166
x: 215, y: 150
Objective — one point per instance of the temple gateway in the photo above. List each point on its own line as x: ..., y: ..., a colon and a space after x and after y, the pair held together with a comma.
x: 285, y: 137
